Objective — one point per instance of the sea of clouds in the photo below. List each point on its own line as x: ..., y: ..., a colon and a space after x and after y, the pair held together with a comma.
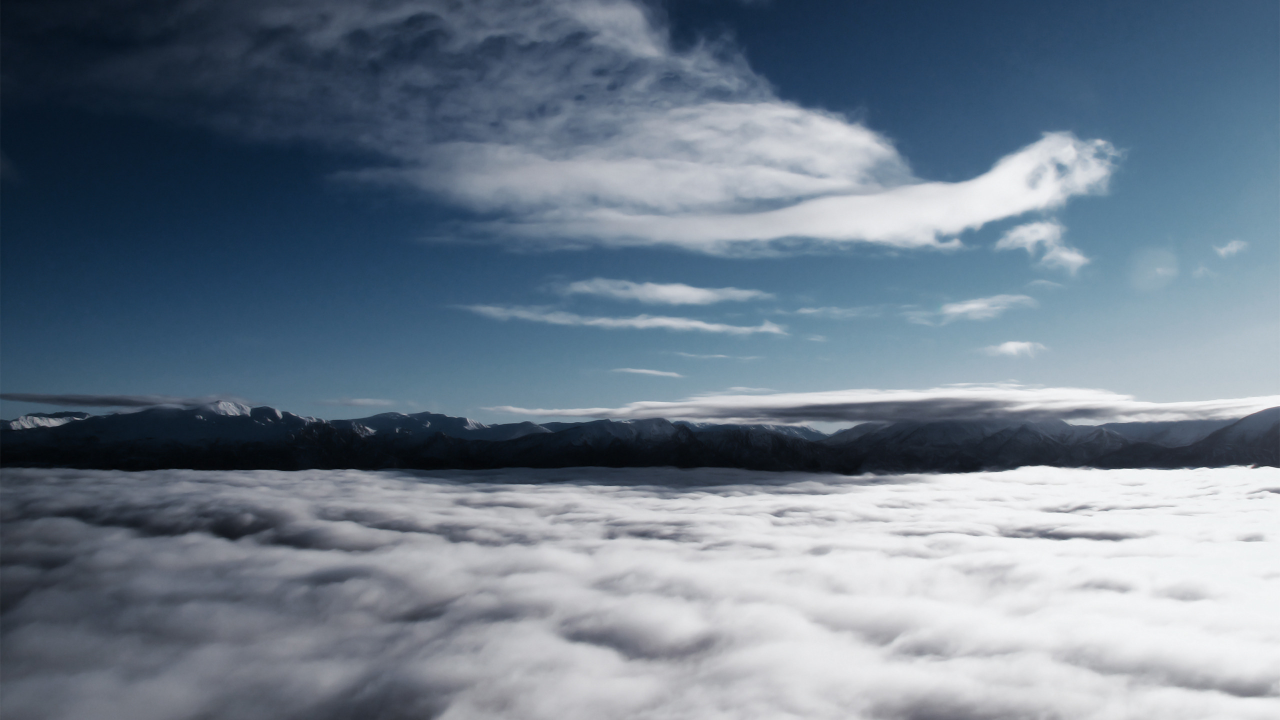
x: 641, y: 593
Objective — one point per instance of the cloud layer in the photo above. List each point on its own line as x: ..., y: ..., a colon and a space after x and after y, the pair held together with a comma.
x: 951, y: 402
x: 638, y: 322
x: 75, y: 400
x: 574, y: 122
x: 566, y: 595
x: 660, y: 293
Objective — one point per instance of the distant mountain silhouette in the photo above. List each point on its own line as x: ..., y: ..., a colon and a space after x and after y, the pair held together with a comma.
x: 233, y: 436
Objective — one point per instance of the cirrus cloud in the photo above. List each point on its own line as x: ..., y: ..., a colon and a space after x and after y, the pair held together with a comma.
x: 642, y: 371
x: 139, y: 401
x: 565, y: 123
x: 1015, y: 348
x: 638, y: 322
x: 660, y: 293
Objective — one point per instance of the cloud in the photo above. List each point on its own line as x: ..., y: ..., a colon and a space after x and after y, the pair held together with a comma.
x: 1015, y: 348
x: 838, y: 313
x: 360, y: 402
x: 1003, y: 401
x: 655, y: 592
x: 1231, y: 248
x: 75, y: 400
x: 1047, y: 284
x: 697, y: 356
x: 639, y: 322
x: 1047, y: 235
x: 563, y: 124
x: 641, y: 371
x: 660, y: 294
x: 975, y: 309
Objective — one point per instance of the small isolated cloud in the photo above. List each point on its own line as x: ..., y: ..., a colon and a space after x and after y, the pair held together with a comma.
x: 1047, y: 237
x: 639, y: 322
x: 837, y: 313
x: 360, y: 402
x: 76, y: 400
x: 642, y: 371
x: 1015, y: 348
x: 1002, y: 401
x: 1232, y: 248
x: 697, y: 356
x: 975, y: 309
x: 1046, y: 284
x: 1202, y: 272
x: 660, y: 294
x: 817, y: 338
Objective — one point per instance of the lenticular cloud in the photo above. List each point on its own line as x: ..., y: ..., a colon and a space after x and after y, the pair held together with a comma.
x: 1035, y: 593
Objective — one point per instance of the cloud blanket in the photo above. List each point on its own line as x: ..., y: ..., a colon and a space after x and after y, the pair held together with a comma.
x: 589, y: 593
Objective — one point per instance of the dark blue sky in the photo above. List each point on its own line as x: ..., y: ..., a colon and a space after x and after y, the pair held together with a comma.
x: 195, y: 227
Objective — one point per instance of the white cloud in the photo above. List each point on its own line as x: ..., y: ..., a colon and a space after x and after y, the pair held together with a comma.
x: 655, y: 373
x: 976, y: 309
x: 1032, y: 237
x: 838, y: 313
x: 570, y: 123
x: 817, y: 338
x: 132, y: 401
x: 638, y: 322
x: 1015, y: 348
x: 681, y: 594
x: 1231, y: 248
x: 660, y: 294
x: 950, y: 402
x: 697, y: 356
x: 1046, y: 284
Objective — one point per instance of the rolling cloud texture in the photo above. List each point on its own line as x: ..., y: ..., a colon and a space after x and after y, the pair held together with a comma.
x: 566, y: 123
x: 641, y: 594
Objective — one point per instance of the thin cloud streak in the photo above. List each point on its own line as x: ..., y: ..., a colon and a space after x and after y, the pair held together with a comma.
x: 976, y: 309
x: 696, y: 356
x: 588, y: 129
x: 838, y: 313
x: 78, y: 400
x: 661, y: 294
x: 642, y: 371
x: 1005, y: 401
x: 639, y: 322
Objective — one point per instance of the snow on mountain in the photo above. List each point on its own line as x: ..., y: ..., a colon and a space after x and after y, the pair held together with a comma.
x: 426, y: 424
x: 43, y: 420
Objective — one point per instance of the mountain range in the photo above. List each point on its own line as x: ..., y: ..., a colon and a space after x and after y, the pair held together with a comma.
x: 228, y: 435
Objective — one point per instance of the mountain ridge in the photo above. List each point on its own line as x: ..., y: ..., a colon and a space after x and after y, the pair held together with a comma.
x: 233, y: 436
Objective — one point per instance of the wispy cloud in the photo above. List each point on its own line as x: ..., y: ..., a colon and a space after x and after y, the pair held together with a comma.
x: 360, y: 402
x: 1232, y: 248
x: 697, y: 356
x: 660, y: 294
x: 1015, y: 348
x: 587, y: 128
x: 78, y: 400
x: 837, y: 313
x: 951, y: 402
x: 1033, y: 237
x: 638, y: 322
x: 642, y: 371
x: 976, y: 309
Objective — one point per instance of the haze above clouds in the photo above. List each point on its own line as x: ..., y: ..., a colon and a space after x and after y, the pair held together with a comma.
x: 702, y: 594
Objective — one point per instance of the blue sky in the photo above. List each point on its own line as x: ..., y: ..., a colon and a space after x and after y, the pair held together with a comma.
x: 302, y: 204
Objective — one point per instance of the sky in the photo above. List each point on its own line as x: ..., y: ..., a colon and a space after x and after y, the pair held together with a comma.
x: 339, y: 208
